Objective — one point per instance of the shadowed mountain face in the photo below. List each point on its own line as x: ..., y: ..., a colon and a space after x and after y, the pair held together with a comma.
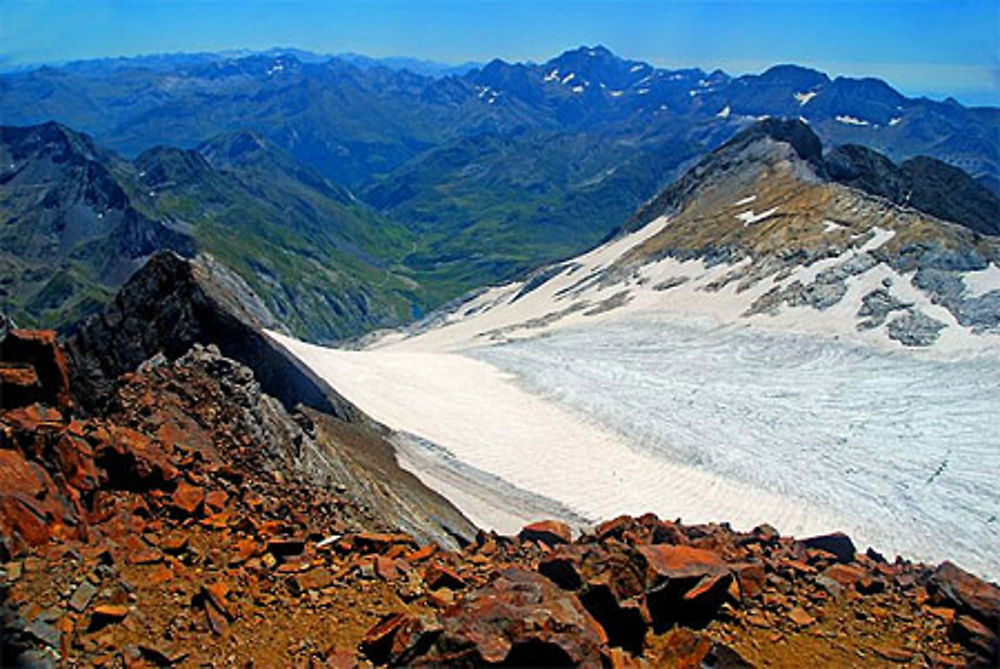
x: 923, y: 183
x: 78, y: 220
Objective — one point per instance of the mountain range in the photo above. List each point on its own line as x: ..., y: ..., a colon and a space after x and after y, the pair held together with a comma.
x: 728, y: 301
x: 364, y: 195
x: 78, y: 220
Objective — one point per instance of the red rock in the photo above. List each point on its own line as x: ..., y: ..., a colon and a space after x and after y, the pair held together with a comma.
x: 710, y: 588
x: 975, y: 635
x: 953, y: 584
x: 246, y: 549
x: 106, y: 614
x: 19, y: 385
x: 139, y: 462
x: 40, y: 349
x: 216, y: 499
x: 845, y: 574
x: 215, y: 595
x: 174, y: 544
x: 550, y: 532
x: 613, y: 528
x: 800, y: 617
x: 893, y: 654
x: 520, y: 619
x: 75, y: 459
x: 421, y: 553
x: 947, y: 615
x: 437, y: 576
x: 187, y: 498
x: 681, y: 562
x: 838, y: 543
x: 314, y: 579
x: 145, y: 556
x: 30, y: 504
x: 751, y: 578
x: 682, y: 647
x: 398, y: 639
x: 385, y: 568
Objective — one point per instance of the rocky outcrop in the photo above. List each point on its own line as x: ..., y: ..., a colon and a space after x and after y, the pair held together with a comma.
x: 923, y: 183
x: 196, y: 520
x: 32, y: 369
x: 173, y: 303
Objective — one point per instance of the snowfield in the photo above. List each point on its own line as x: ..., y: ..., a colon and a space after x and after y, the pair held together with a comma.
x: 702, y: 423
x: 583, y: 394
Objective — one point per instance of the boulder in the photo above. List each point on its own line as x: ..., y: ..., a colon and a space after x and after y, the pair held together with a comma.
x: 30, y: 504
x: 40, y: 350
x: 684, y: 585
x: 550, y: 532
x: 838, y: 544
x: 975, y: 635
x: 399, y: 639
x: 520, y: 619
x: 952, y: 584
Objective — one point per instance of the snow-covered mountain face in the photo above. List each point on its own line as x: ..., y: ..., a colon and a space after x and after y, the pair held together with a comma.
x: 762, y: 344
x: 755, y: 235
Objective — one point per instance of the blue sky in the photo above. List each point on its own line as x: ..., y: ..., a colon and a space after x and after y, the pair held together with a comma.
x: 923, y: 47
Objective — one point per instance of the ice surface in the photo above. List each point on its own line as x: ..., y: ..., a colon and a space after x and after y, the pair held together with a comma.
x: 902, y: 452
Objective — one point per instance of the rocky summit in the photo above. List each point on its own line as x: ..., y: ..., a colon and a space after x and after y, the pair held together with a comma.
x: 184, y: 523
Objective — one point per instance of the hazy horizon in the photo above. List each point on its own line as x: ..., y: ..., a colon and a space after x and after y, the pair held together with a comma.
x: 932, y: 48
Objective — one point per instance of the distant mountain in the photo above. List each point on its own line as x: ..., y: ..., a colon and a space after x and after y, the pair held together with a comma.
x: 353, y: 117
x: 78, y: 220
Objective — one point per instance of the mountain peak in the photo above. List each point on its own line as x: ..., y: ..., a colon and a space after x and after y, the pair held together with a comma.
x: 802, y: 78
x: 793, y: 132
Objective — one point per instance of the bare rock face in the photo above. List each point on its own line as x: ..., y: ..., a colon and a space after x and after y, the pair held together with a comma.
x: 959, y: 588
x: 170, y: 305
x: 521, y: 619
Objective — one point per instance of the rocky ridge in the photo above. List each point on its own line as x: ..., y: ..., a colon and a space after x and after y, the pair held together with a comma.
x: 174, y: 528
x: 768, y: 230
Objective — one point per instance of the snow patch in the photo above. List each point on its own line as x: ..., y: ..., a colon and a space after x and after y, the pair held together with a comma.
x: 804, y: 98
x: 724, y: 113
x: 568, y: 78
x: 636, y: 68
x: 850, y: 120
x: 982, y: 281
x: 747, y: 200
x: 748, y: 217
x: 553, y: 75
x: 577, y: 89
x: 895, y: 121
x: 616, y: 94
x: 830, y: 226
